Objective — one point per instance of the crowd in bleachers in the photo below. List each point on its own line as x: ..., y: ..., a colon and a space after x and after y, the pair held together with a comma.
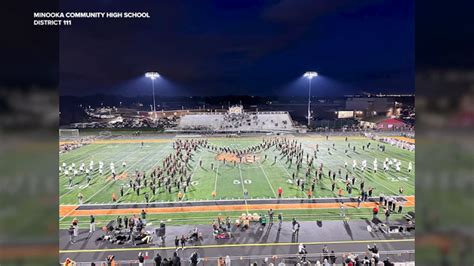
x: 243, y: 122
x: 130, y: 123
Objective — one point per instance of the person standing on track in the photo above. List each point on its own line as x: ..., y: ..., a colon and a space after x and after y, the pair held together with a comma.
x: 71, y: 233
x: 375, y: 211
x: 183, y: 242
x: 280, y: 192
x: 295, y: 225
x: 143, y: 214
x: 387, y: 215
x: 270, y: 216
x: 75, y: 224
x: 280, y: 221
x: 176, y: 243
x: 91, y: 226
x: 343, y: 210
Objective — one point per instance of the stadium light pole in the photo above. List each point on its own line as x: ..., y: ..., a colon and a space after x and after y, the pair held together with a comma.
x: 153, y: 76
x: 309, y: 75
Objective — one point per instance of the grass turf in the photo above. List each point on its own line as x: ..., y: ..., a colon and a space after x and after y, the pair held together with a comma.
x: 261, y: 179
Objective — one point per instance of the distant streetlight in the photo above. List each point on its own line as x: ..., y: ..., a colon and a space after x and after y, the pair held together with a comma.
x: 153, y: 76
x: 309, y: 75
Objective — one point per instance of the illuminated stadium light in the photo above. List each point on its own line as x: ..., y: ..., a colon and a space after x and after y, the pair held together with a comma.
x: 309, y: 75
x: 153, y: 76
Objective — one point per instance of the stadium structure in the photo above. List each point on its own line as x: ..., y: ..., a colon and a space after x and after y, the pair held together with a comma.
x: 237, y: 120
x: 220, y: 180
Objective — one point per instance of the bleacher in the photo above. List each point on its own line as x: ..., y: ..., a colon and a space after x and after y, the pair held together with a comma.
x: 238, y: 122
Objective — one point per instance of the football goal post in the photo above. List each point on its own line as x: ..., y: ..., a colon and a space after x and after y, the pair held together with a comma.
x: 69, y: 133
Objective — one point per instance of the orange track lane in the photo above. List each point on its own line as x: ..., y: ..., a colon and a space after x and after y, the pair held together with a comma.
x: 69, y: 210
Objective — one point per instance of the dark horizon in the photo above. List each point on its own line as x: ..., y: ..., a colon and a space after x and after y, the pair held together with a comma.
x: 259, y: 48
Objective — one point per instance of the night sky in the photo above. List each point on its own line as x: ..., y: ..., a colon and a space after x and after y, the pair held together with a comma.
x: 241, y: 47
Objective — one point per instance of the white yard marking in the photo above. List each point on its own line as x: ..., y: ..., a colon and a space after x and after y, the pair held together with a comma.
x: 217, y: 174
x: 273, y: 190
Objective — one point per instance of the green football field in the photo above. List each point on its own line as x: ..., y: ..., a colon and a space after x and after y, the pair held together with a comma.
x: 261, y: 178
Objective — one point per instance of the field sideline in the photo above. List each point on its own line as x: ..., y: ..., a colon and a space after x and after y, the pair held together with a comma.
x: 261, y: 178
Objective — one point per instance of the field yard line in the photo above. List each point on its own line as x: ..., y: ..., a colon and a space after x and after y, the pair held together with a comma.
x: 151, y: 157
x: 396, y: 174
x: 375, y: 180
x: 323, y: 183
x: 75, y: 157
x: 96, y: 175
x: 67, y: 214
x: 215, y: 183
x: 282, y: 166
x: 403, y: 171
x: 273, y: 190
x: 111, y: 181
x: 242, y: 181
x: 194, y: 169
x: 243, y: 189
x: 113, y: 158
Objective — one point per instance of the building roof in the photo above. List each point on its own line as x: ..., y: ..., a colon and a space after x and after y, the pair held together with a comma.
x: 374, y: 119
x: 392, y: 121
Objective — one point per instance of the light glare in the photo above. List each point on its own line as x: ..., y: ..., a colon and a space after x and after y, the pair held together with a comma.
x: 310, y: 74
x: 152, y: 75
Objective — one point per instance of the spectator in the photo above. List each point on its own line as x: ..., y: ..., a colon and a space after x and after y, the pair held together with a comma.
x: 375, y: 211
x: 68, y: 262
x: 227, y: 260
x: 111, y: 260
x: 325, y: 252
x: 157, y: 259
x: 387, y: 262
x: 176, y: 261
x: 91, y: 225
x: 143, y: 213
x: 375, y: 252
x: 194, y: 259
x: 220, y: 261
x: 141, y: 259
x: 71, y: 233
x: 176, y: 243
x: 166, y: 262
x: 280, y: 192
x: 387, y: 215
x: 183, y: 242
x: 333, y: 258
